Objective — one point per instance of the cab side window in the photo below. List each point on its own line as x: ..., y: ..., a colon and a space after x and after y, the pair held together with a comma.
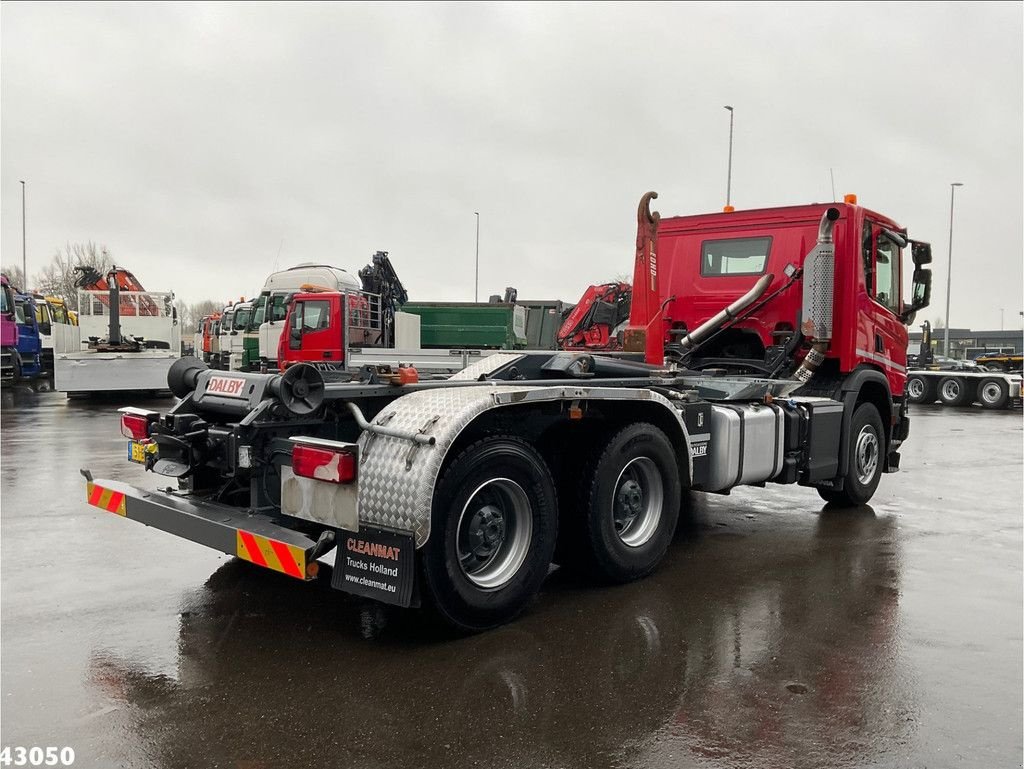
x: 886, y: 289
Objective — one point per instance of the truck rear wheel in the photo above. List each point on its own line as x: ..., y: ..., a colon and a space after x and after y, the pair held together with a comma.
x: 866, y: 456
x: 920, y: 389
x: 493, y: 530
x: 994, y: 393
x: 629, y: 504
x: 954, y: 391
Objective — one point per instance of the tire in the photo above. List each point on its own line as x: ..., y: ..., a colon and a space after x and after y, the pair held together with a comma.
x: 993, y: 393
x: 628, y: 504
x: 866, y: 453
x: 920, y: 389
x: 494, y: 524
x: 954, y: 391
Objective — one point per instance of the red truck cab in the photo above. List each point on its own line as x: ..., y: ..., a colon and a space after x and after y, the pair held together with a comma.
x: 707, y: 261
x: 320, y: 326
x: 811, y: 292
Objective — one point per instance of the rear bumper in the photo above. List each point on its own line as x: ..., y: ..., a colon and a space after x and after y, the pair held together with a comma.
x: 255, y: 538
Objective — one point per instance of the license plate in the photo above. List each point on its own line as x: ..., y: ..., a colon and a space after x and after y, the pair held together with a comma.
x: 137, y: 451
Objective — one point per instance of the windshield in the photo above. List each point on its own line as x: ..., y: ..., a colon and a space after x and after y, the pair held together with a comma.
x: 241, y: 318
x: 58, y: 313
x: 259, y: 311
x: 5, y: 299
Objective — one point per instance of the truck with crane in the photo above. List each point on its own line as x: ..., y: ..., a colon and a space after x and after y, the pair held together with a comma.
x: 598, y: 320
x: 349, y: 329
x: 266, y: 322
x: 763, y: 346
x: 126, y: 338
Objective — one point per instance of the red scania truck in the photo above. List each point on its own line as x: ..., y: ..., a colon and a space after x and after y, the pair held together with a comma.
x: 763, y: 346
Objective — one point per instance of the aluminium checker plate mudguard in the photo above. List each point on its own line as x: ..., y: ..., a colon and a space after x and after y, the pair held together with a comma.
x: 397, y: 476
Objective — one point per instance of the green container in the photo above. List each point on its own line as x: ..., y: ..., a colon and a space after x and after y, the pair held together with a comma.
x: 544, y: 318
x: 454, y: 325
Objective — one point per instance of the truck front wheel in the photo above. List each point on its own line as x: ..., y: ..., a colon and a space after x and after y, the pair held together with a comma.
x: 866, y: 455
x: 629, y: 504
x: 493, y: 530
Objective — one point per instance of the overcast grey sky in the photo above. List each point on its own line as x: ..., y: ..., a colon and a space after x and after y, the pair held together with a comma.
x: 197, y: 140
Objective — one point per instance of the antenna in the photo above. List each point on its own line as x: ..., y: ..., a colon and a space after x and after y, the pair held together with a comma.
x: 833, y: 184
x: 278, y: 259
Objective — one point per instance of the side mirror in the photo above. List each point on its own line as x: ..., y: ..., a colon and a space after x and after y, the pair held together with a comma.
x: 922, y: 294
x: 921, y: 253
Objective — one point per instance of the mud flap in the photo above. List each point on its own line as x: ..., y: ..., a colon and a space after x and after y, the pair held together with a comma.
x: 376, y: 564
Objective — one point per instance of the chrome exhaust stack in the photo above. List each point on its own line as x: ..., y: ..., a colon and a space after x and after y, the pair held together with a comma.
x: 818, y: 291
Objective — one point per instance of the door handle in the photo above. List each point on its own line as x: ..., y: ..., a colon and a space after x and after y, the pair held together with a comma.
x: 879, y: 345
x: 328, y: 354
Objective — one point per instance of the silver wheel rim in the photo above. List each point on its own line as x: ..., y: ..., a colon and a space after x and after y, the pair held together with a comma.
x: 950, y: 389
x: 867, y: 455
x: 991, y: 392
x: 915, y: 388
x: 637, y: 501
x: 494, y: 533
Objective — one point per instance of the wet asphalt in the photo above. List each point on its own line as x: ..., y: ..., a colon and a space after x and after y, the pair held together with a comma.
x: 778, y: 633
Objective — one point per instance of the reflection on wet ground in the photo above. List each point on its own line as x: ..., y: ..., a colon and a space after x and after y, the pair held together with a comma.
x: 778, y: 633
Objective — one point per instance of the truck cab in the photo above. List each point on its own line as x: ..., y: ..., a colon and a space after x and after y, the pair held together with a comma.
x: 54, y: 323
x: 232, y: 335
x: 322, y: 326
x: 28, y: 361
x: 812, y: 292
x: 8, y: 330
x: 271, y: 306
x: 208, y: 337
x: 711, y: 260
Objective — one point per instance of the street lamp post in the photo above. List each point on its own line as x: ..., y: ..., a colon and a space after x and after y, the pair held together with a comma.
x: 949, y: 271
x: 476, y: 283
x: 24, y: 261
x: 728, y: 178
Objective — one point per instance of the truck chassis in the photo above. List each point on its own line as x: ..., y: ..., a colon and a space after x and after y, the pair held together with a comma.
x: 463, y: 491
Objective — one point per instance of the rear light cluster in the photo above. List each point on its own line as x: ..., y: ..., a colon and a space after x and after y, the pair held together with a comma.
x: 335, y: 466
x: 135, y: 426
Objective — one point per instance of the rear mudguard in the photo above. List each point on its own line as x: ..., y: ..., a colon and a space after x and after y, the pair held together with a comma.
x: 397, y: 476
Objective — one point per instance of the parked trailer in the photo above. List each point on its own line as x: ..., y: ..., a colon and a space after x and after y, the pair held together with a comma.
x: 460, y: 493
x: 131, y: 348
x: 993, y: 390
